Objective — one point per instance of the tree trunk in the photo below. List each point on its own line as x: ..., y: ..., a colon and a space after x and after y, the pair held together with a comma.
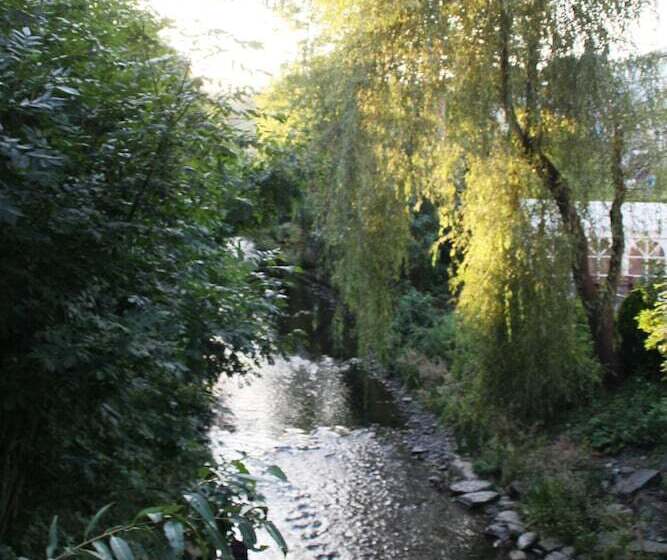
x: 597, y: 303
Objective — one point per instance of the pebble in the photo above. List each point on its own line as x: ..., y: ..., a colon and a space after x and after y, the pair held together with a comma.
x: 509, y: 516
x: 470, y: 486
x: 518, y: 555
x: 526, y: 541
x: 549, y: 544
x: 475, y: 499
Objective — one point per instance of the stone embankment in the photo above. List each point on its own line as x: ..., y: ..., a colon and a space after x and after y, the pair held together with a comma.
x: 632, y: 491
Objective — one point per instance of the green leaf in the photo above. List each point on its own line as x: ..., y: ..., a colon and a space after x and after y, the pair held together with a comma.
x: 200, y: 505
x: 273, y: 531
x: 276, y: 471
x: 103, y: 550
x: 53, y: 538
x: 174, y: 533
x: 240, y: 467
x: 121, y: 549
x: 247, y: 532
x: 95, y: 520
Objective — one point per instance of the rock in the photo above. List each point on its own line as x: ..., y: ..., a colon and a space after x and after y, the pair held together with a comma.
x: 556, y: 555
x: 506, y: 503
x: 636, y: 481
x: 516, y: 529
x: 434, y: 480
x: 497, y: 531
x: 526, y: 541
x: 649, y: 547
x: 625, y: 471
x: 518, y: 555
x: 549, y: 544
x: 418, y: 450
x: 463, y: 468
x: 568, y: 551
x: 469, y: 486
x: 476, y: 499
x: 509, y: 516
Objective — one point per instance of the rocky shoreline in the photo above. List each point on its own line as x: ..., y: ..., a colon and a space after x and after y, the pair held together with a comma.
x: 633, y: 489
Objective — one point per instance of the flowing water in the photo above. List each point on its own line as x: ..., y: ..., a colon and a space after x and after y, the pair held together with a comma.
x: 354, y: 490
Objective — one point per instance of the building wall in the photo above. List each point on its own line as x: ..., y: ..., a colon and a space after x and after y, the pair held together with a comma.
x: 645, y: 225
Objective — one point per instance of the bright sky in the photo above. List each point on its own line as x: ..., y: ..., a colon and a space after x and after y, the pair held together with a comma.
x: 208, y: 31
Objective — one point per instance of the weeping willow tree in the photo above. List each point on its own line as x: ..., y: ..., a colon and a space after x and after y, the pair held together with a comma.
x: 350, y: 115
x: 422, y: 98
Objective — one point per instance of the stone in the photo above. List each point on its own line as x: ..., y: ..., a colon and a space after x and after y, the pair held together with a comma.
x: 649, y: 547
x: 506, y: 503
x: 556, y: 555
x: 518, y: 555
x: 476, y: 499
x: 526, y: 541
x: 468, y: 486
x: 625, y: 471
x: 568, y: 551
x: 497, y: 531
x: 549, y: 544
x: 509, y: 516
x: 418, y: 450
x: 636, y: 481
x: 516, y: 529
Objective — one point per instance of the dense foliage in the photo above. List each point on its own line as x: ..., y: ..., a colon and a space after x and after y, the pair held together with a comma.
x: 654, y: 323
x: 124, y: 295
x: 504, y: 117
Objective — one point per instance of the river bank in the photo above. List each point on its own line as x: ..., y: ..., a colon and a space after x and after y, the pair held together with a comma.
x: 625, y: 494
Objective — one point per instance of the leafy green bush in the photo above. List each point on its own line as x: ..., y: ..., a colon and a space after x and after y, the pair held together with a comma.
x: 654, y: 323
x: 562, y: 506
x: 123, y: 298
x: 636, y: 357
x: 206, y: 521
x: 421, y: 324
x: 634, y: 415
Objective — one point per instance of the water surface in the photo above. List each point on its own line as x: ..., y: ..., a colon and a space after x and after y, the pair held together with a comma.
x: 354, y: 490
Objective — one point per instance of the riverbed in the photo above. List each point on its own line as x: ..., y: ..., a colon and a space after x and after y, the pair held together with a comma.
x: 356, y: 489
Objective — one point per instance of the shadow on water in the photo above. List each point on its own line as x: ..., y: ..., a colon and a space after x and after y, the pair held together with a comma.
x: 354, y: 491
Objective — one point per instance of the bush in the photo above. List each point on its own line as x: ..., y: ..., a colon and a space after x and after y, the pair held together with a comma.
x: 654, y: 323
x: 635, y: 415
x: 123, y: 300
x: 562, y: 506
x: 634, y: 354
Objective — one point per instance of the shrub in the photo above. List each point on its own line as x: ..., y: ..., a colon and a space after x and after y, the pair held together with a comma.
x: 634, y: 415
x: 635, y: 356
x: 654, y: 323
x: 123, y: 300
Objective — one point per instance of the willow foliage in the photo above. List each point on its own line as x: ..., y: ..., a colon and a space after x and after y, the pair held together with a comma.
x: 520, y: 345
x: 422, y: 99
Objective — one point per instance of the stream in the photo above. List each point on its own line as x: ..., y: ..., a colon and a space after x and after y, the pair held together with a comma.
x: 355, y: 489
